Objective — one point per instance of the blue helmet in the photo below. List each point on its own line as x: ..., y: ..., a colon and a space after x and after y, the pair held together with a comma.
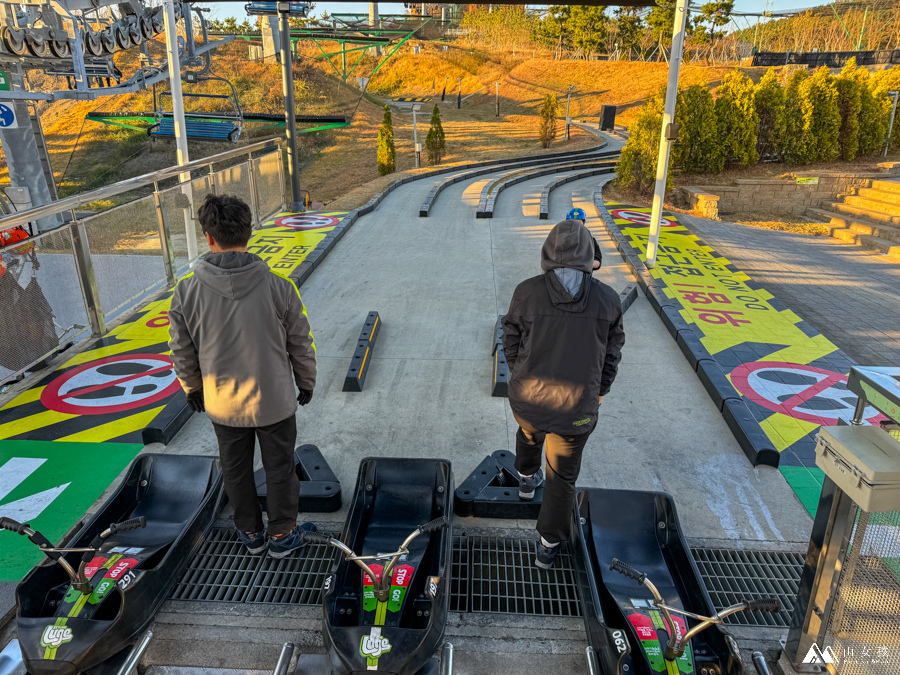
x: 576, y: 214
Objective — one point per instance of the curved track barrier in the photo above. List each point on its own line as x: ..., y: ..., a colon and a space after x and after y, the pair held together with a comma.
x: 428, y: 203
x: 491, y: 192
x: 551, y: 186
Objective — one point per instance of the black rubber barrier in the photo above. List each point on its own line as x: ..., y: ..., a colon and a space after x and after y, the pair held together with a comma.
x: 749, y: 435
x: 628, y: 296
x: 508, y: 165
x: 320, y: 491
x: 492, y: 491
x: 362, y: 357
x: 500, y: 369
x: 551, y: 186
x: 491, y: 192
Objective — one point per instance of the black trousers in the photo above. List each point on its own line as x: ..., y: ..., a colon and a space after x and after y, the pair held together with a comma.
x: 563, y: 455
x: 276, y: 445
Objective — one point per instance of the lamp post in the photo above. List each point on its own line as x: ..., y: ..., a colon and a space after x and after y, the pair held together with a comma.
x: 444, y: 92
x: 497, y: 84
x: 568, y: 103
x: 290, y: 127
x: 459, y: 93
x: 668, y: 131
x: 418, y: 150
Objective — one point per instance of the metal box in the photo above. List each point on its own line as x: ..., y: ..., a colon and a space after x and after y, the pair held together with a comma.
x: 864, y: 462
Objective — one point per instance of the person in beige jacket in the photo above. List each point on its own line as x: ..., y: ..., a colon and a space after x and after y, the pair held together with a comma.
x: 240, y: 341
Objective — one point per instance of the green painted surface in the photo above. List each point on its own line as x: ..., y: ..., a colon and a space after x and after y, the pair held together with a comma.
x: 50, y: 485
x: 4, y: 80
x: 806, y: 483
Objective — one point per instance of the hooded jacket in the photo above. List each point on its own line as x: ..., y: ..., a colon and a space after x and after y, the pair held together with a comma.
x: 563, y: 350
x: 240, y: 333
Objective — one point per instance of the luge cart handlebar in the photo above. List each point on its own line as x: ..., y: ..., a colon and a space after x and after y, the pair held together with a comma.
x: 381, y: 586
x: 675, y: 648
x: 79, y: 581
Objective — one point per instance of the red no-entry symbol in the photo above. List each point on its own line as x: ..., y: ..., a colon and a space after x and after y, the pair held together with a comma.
x: 307, y: 221
x: 112, y: 384
x: 803, y: 392
x: 641, y: 218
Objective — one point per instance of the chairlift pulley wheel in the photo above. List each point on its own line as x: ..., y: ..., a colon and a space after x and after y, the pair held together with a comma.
x: 123, y: 37
x: 36, y: 45
x: 146, y: 27
x: 14, y: 41
x: 158, y: 23
x: 135, y: 34
x: 91, y: 44
x: 60, y: 48
x: 108, y: 41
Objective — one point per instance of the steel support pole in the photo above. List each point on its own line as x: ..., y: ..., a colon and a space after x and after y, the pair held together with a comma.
x: 165, y: 240
x: 459, y: 93
x: 497, y: 86
x: 887, y: 140
x: 415, y: 138
x: 568, y: 103
x: 181, y: 147
x: 84, y: 266
x: 665, y: 145
x: 290, y: 127
x: 828, y: 543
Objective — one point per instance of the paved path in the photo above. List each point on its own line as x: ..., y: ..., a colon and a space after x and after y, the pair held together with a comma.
x: 849, y: 294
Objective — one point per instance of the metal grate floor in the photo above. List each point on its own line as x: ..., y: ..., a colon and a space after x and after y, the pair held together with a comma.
x: 487, y: 574
x: 497, y: 575
x: 734, y: 575
x: 223, y: 571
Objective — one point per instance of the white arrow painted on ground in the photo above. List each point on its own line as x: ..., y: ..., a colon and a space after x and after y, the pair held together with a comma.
x: 12, y: 474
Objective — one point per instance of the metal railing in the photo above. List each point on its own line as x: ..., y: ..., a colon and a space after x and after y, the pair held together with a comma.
x: 105, y: 259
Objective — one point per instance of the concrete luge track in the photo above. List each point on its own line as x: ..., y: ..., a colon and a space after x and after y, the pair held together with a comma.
x: 564, y: 158
x: 438, y: 286
x: 490, y: 193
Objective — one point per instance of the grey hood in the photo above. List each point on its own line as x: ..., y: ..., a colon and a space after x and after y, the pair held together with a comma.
x: 231, y: 274
x: 569, y: 244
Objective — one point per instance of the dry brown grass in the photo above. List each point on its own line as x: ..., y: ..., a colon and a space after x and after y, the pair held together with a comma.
x: 787, y: 223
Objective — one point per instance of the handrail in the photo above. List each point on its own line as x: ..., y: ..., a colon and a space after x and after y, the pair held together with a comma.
x: 75, y: 201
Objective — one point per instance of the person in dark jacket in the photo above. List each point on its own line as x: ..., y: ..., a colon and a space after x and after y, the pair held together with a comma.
x: 563, y: 339
x: 240, y: 341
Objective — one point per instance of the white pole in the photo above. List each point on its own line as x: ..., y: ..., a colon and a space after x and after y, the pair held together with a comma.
x: 665, y: 146
x: 178, y: 118
x: 415, y: 138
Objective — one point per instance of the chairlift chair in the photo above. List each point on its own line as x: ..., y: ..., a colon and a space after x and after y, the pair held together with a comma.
x: 203, y: 126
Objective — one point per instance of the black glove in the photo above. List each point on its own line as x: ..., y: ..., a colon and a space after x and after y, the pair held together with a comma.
x: 304, y: 397
x: 195, y: 401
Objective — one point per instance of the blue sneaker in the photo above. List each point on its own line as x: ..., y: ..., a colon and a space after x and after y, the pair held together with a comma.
x: 281, y: 547
x: 254, y: 541
x: 546, y: 555
x: 527, y: 486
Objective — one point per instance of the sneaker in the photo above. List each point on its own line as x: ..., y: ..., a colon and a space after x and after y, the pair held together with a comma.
x: 281, y: 547
x: 254, y: 541
x: 527, y: 486
x: 546, y: 555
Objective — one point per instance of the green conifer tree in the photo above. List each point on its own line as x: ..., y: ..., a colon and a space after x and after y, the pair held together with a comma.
x: 435, y: 143
x: 547, y: 129
x: 849, y: 100
x: 821, y: 115
x: 698, y: 149
x: 795, y: 145
x: 769, y: 99
x: 387, y: 156
x: 737, y: 119
x: 636, y: 170
x: 872, y: 124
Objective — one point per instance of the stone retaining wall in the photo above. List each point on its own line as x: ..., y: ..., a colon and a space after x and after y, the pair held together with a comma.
x: 779, y: 195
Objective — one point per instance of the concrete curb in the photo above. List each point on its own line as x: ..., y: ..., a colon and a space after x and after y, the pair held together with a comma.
x: 551, y: 186
x: 749, y: 434
x: 428, y: 203
x: 491, y: 192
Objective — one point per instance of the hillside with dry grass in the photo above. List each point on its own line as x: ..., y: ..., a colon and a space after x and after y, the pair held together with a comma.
x: 86, y: 154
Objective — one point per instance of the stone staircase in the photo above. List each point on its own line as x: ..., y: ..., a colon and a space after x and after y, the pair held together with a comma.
x: 870, y: 218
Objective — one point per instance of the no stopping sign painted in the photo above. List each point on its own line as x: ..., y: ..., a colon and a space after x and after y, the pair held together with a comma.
x: 112, y: 384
